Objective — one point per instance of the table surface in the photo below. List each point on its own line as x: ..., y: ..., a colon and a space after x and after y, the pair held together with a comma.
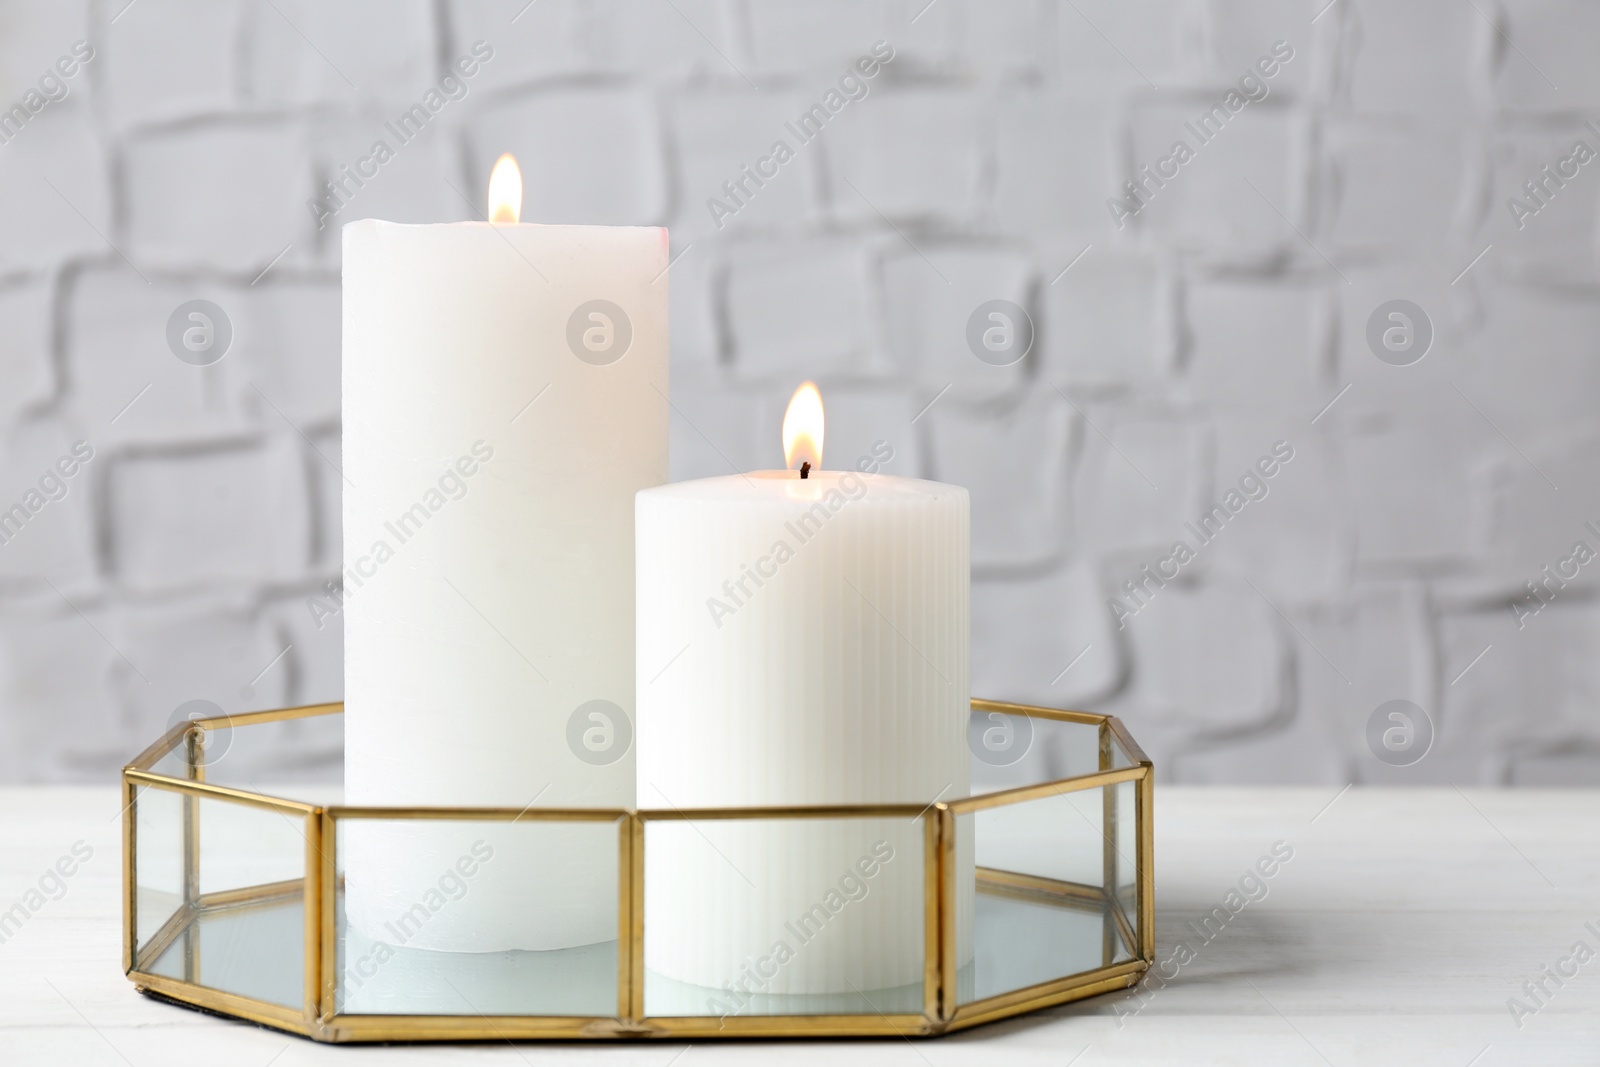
x: 1399, y: 932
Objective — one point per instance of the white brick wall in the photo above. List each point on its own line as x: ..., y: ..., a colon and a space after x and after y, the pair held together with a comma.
x: 1228, y: 314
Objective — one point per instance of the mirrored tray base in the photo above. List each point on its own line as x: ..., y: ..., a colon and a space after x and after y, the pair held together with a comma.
x: 239, y: 900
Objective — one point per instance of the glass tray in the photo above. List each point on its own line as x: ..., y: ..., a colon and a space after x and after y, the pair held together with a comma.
x: 242, y: 895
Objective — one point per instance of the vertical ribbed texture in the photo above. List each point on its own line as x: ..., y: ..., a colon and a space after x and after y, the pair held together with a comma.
x: 842, y: 679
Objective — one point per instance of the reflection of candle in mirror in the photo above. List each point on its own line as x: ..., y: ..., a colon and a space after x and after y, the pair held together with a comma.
x: 495, y: 461
x: 803, y: 640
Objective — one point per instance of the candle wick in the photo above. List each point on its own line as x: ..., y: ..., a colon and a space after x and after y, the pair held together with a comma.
x: 805, y: 468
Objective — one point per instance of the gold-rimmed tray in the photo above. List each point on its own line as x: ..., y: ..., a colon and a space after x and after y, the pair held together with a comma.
x: 235, y: 900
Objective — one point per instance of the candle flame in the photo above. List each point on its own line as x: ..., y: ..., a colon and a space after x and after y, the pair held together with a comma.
x: 505, y: 190
x: 802, y: 427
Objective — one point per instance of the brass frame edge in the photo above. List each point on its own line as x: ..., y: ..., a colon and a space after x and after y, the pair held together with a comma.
x: 949, y: 965
x: 933, y: 909
x: 1086, y: 718
x: 208, y: 791
x: 893, y: 1024
x: 1126, y: 929
x: 327, y: 988
x: 163, y: 745
x: 1024, y: 793
x: 1034, y: 887
x: 798, y: 811
x: 635, y: 945
x: 359, y: 1028
x: 130, y: 876
x: 254, y: 718
x: 311, y: 960
x: 319, y: 1020
x: 175, y: 926
x: 1130, y: 747
x: 1048, y: 994
x: 1144, y: 826
x: 256, y: 1011
x: 446, y: 814
x: 626, y: 877
x: 250, y: 896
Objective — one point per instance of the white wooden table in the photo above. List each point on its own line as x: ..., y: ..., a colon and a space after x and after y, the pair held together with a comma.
x: 1396, y: 934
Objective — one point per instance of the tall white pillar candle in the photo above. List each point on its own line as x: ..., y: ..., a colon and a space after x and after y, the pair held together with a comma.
x: 504, y: 399
x: 801, y: 642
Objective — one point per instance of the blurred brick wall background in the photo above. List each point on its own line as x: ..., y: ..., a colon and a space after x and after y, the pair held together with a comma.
x: 1171, y: 353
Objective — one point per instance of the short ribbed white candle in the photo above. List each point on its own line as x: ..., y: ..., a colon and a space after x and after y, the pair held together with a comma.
x: 801, y: 642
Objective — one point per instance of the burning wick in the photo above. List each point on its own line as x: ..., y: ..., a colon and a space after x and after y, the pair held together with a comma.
x: 802, y: 429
